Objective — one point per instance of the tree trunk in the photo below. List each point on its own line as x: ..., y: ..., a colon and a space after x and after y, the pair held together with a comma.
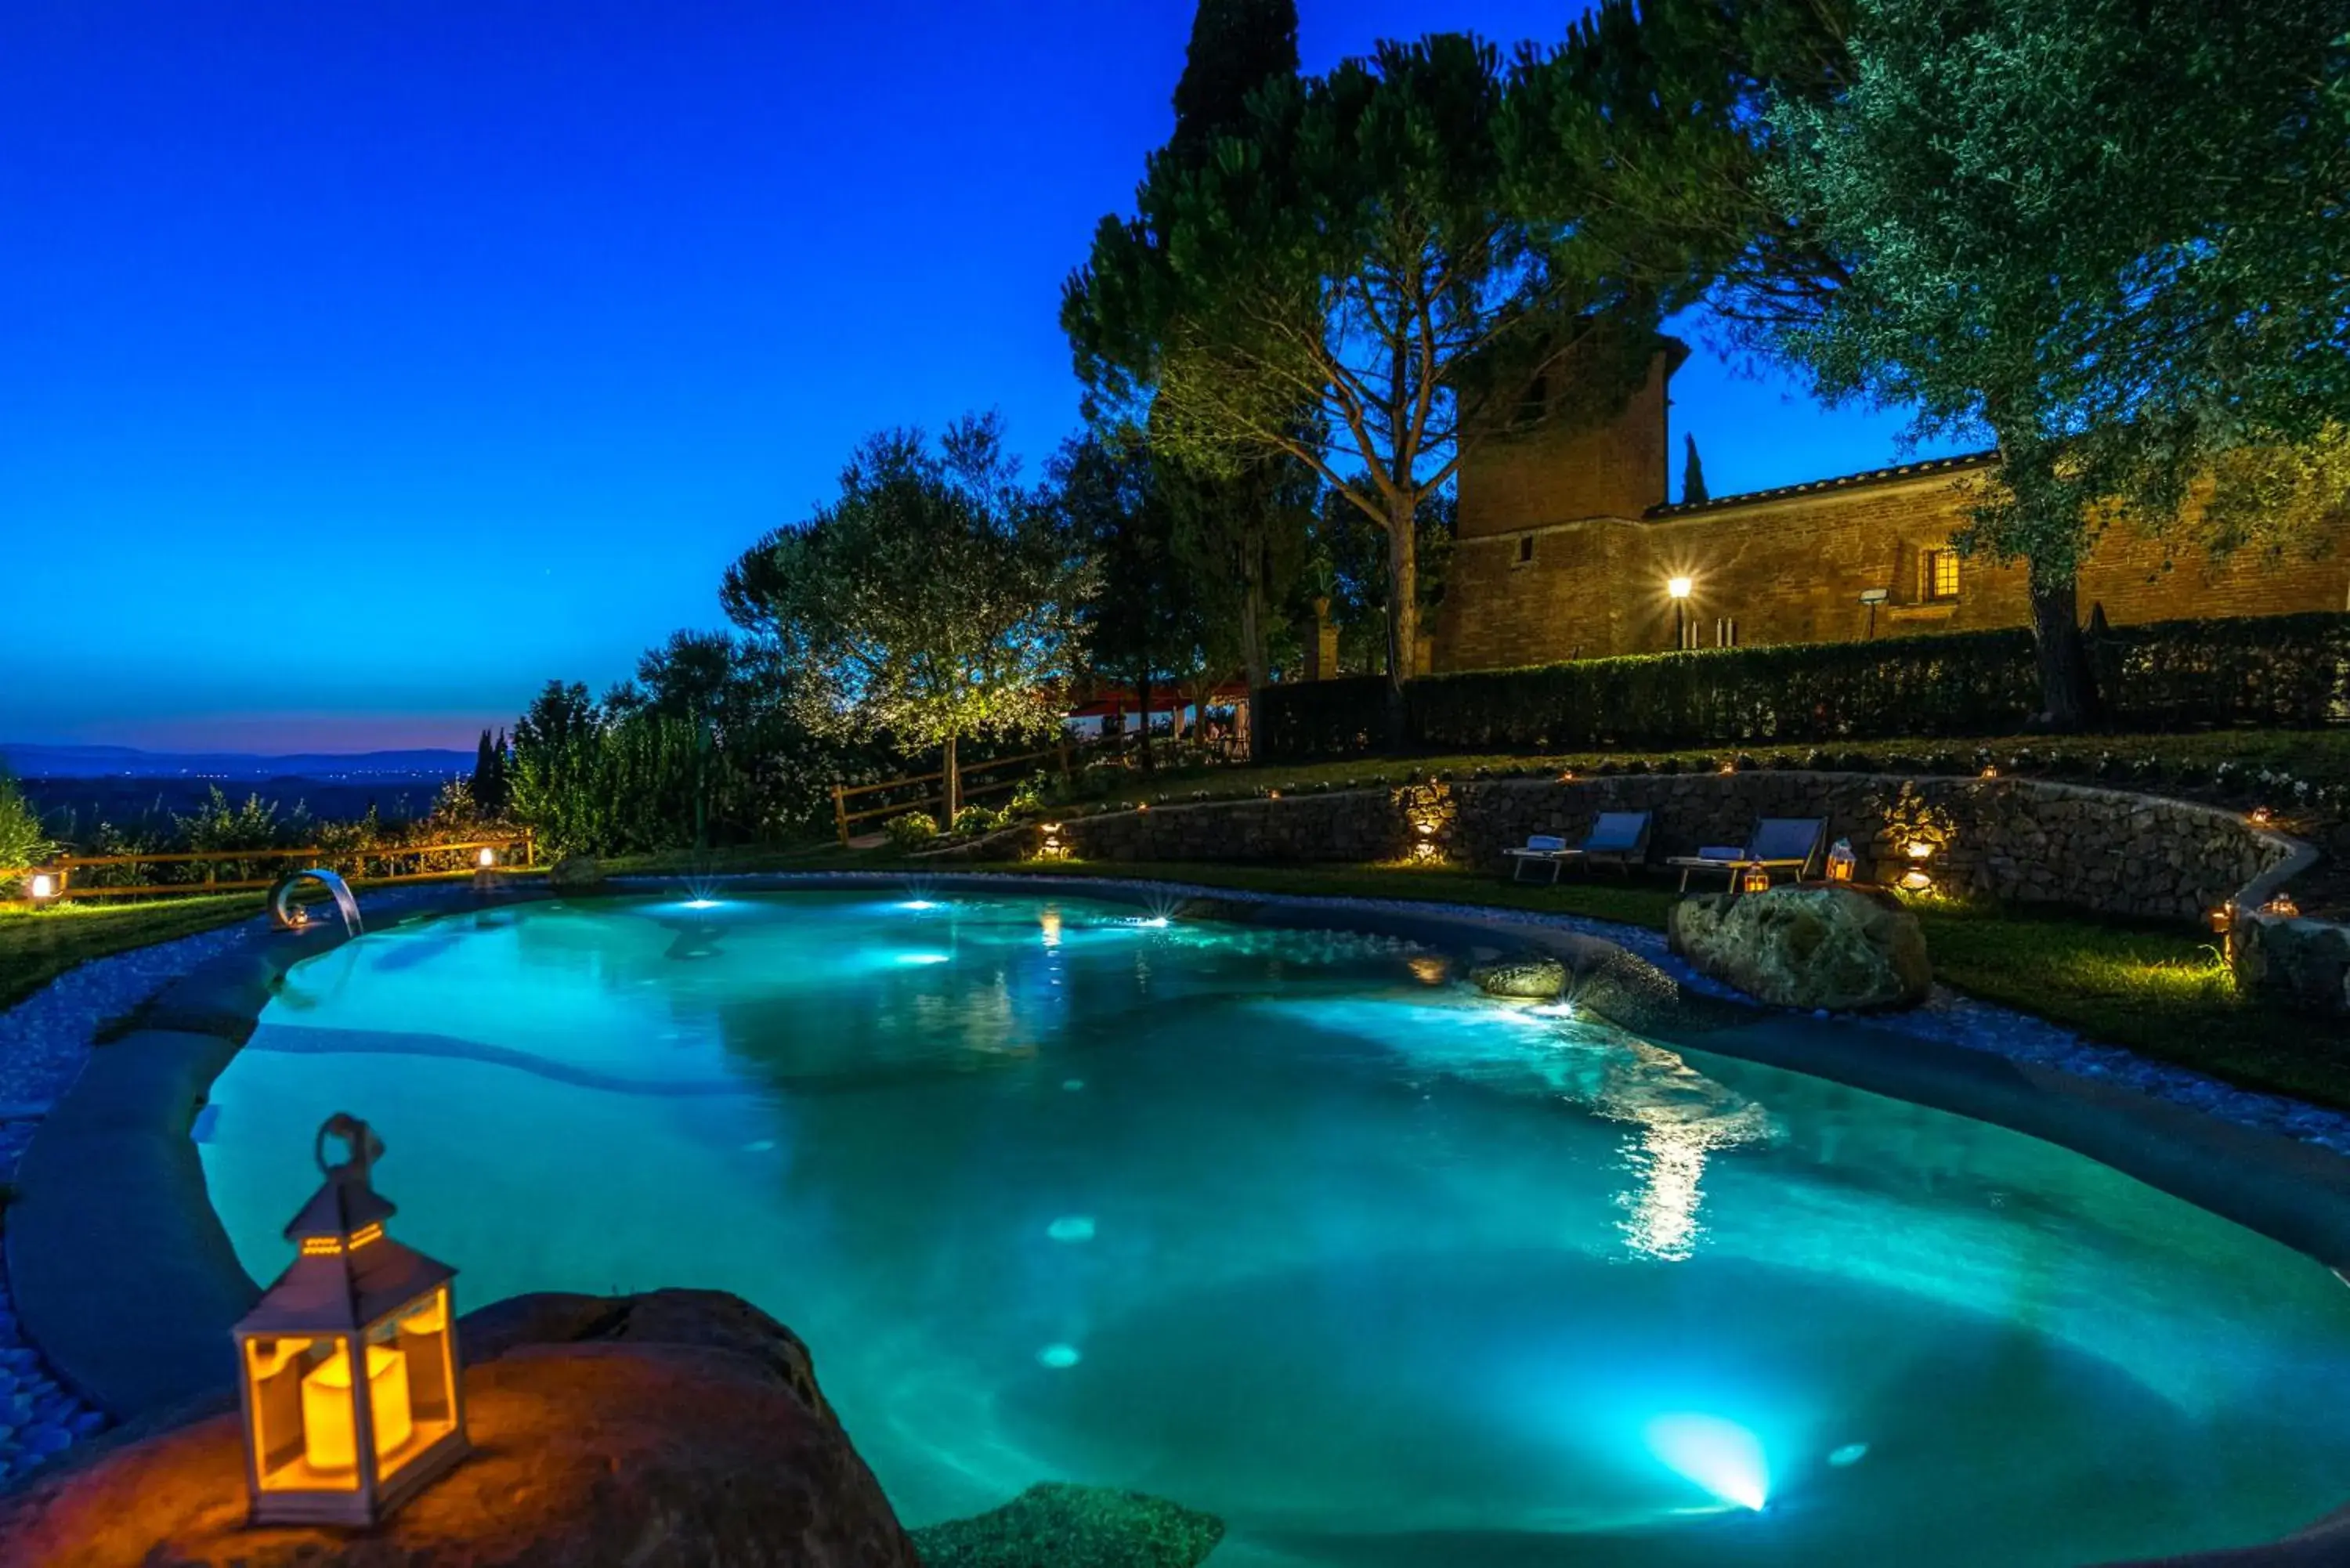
x: 950, y: 786
x: 702, y: 785
x: 2067, y: 694
x: 1142, y: 690
x: 1403, y: 605
x: 1256, y: 662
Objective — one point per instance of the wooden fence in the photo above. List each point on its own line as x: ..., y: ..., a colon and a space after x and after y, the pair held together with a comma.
x: 843, y: 819
x: 394, y: 863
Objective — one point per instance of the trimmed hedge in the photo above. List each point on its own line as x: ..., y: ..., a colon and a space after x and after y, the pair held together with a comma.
x: 2284, y: 671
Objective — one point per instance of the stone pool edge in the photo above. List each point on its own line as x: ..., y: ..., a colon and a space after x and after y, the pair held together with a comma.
x: 127, y: 1284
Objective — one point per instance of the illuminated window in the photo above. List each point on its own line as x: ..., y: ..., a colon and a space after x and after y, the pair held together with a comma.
x: 1938, y: 575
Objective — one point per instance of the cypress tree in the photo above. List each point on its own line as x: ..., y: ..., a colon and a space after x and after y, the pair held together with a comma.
x: 1693, y: 489
x: 485, y: 774
x: 1237, y: 45
x: 1242, y: 536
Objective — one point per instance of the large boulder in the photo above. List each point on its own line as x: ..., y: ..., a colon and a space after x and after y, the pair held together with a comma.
x: 1057, y: 1525
x: 1533, y: 975
x: 575, y: 872
x: 1831, y: 947
x: 680, y: 1429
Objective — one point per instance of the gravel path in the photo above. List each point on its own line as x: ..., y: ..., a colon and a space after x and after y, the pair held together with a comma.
x: 44, y: 1039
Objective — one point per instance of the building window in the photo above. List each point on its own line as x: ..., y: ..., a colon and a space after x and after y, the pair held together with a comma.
x: 1526, y: 549
x: 1534, y: 401
x: 1938, y: 575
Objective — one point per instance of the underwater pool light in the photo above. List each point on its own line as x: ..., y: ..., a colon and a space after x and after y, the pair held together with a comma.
x: 701, y: 903
x: 917, y: 904
x: 1059, y: 1357
x: 1720, y: 1456
x: 921, y: 958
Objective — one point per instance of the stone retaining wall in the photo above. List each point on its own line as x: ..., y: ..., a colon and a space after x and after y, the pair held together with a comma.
x: 2018, y: 840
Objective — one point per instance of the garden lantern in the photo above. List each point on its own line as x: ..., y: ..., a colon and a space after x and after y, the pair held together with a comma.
x: 2261, y: 817
x: 42, y: 885
x: 2283, y: 906
x: 487, y: 859
x: 1841, y: 861
x: 349, y: 1364
x: 1755, y: 879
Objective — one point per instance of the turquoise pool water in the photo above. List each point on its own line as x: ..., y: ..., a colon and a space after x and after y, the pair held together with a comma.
x: 1295, y: 1228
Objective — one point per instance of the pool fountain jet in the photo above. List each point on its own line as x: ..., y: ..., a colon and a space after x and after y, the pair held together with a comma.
x: 1720, y: 1456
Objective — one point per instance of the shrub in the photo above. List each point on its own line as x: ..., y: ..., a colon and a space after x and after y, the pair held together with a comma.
x: 22, y: 842
x: 975, y: 819
x: 911, y: 831
x: 2278, y: 670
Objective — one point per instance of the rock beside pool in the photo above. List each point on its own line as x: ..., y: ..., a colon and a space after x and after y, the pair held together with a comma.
x: 575, y: 871
x: 1813, y: 947
x: 675, y: 1431
x: 1066, y: 1526
x: 1533, y: 975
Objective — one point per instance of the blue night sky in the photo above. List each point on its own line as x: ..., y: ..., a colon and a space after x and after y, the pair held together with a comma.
x: 482, y: 336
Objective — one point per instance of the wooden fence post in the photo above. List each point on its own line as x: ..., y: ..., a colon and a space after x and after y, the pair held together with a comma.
x: 840, y: 816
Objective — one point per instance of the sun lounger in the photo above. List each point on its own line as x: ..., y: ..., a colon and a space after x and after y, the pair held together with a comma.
x: 1619, y: 838
x: 1779, y: 844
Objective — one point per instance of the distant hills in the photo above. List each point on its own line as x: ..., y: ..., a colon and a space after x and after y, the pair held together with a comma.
x: 47, y: 762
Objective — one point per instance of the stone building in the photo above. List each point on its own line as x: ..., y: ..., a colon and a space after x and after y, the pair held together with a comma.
x: 1568, y: 548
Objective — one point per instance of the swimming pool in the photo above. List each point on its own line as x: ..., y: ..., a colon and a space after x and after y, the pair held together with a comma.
x: 1297, y: 1227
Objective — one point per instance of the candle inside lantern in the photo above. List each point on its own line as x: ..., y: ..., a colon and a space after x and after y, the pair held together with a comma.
x: 328, y: 1441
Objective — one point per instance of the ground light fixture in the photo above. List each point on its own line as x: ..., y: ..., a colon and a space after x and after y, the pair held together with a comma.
x: 348, y: 1365
x: 1841, y: 861
x: 2261, y: 817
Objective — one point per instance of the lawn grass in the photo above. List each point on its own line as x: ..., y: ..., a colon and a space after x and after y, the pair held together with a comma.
x: 2320, y: 756
x: 38, y: 945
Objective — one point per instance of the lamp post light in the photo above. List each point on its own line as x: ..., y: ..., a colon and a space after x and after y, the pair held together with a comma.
x: 1677, y: 589
x: 348, y: 1365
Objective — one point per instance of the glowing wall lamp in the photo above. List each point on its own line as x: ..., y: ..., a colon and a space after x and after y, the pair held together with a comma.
x: 348, y: 1363
x: 1678, y: 590
x: 1841, y: 861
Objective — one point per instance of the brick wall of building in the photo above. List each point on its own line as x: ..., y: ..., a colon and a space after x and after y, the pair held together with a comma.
x: 1533, y: 581
x: 1557, y: 472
